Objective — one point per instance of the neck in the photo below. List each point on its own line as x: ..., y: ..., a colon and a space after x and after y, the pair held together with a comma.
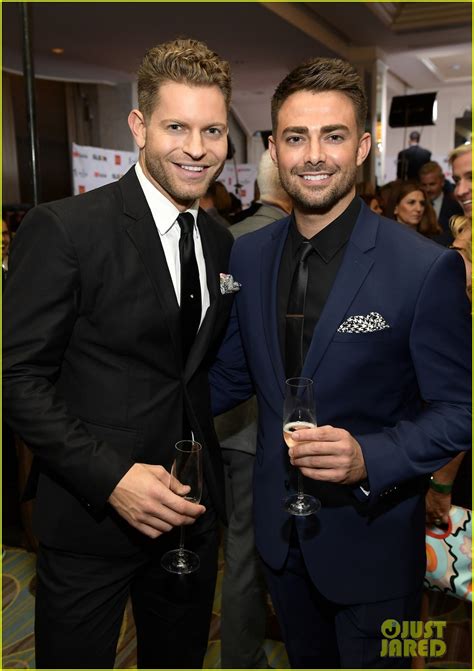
x: 309, y: 223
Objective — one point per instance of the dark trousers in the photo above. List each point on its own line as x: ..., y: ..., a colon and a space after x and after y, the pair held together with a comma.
x: 80, y: 601
x: 320, y: 634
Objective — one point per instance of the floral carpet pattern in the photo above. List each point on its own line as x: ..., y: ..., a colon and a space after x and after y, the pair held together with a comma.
x: 18, y: 620
x: 18, y: 614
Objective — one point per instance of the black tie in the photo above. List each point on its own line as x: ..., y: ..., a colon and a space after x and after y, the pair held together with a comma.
x: 294, y: 351
x: 190, y: 286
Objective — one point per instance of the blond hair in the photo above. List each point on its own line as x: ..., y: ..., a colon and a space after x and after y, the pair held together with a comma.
x: 458, y: 224
x: 459, y: 151
x: 185, y: 61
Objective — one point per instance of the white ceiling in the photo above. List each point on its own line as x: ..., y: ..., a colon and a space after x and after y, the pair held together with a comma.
x: 425, y: 45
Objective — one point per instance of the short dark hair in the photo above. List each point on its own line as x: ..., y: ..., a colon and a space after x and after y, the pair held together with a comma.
x: 415, y: 136
x: 428, y: 168
x: 323, y: 74
x: 184, y: 61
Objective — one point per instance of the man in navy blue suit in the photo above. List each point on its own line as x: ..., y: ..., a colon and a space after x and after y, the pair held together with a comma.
x: 385, y: 337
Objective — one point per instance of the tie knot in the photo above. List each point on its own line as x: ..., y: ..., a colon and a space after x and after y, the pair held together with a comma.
x: 186, y: 222
x: 305, y: 250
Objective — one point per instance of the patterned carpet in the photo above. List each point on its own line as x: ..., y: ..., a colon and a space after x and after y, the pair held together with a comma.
x: 18, y: 639
x: 17, y: 626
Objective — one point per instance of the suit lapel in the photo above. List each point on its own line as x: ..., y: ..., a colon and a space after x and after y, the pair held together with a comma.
x: 211, y: 252
x: 144, y: 235
x: 271, y: 258
x: 352, y: 273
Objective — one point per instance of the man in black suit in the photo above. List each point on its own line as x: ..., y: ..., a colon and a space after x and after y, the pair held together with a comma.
x: 102, y: 377
x: 410, y: 160
x: 433, y: 181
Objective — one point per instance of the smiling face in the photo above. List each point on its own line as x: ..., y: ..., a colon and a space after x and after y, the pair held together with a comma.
x: 317, y: 148
x: 411, y: 208
x: 462, y: 175
x: 183, y: 144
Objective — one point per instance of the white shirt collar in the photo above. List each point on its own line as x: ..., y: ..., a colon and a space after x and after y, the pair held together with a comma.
x: 163, y: 211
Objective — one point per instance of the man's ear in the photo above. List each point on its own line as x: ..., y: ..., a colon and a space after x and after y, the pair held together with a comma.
x: 136, y: 122
x: 272, y: 149
x: 363, y: 149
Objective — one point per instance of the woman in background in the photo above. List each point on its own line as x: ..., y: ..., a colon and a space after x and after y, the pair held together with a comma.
x: 452, y: 483
x: 409, y: 205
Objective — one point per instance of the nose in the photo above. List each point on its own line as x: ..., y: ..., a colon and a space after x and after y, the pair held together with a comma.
x: 462, y: 188
x: 194, y: 145
x: 315, y: 151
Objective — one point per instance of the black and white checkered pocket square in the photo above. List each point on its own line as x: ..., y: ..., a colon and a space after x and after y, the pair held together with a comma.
x: 363, y: 324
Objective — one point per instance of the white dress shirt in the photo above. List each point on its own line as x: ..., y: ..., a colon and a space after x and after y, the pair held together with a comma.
x: 165, y: 215
x: 437, y: 202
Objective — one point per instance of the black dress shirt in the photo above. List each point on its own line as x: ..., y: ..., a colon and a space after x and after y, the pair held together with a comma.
x: 329, y: 246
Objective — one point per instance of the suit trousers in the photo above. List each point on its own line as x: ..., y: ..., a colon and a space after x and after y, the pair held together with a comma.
x: 80, y: 602
x: 243, y: 609
x: 320, y: 634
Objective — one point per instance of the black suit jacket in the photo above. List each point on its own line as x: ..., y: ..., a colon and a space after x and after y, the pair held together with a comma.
x: 410, y: 161
x: 93, y: 376
x: 449, y: 207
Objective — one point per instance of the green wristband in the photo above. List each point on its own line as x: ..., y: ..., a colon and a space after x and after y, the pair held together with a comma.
x: 440, y: 488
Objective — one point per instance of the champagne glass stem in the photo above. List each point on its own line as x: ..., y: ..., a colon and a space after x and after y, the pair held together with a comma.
x: 181, y: 539
x: 300, y: 484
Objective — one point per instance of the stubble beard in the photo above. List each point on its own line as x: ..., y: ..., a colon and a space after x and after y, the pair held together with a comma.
x: 319, y: 199
x: 180, y: 193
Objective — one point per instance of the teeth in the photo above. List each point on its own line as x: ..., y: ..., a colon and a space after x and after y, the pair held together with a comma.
x: 193, y: 168
x: 315, y: 178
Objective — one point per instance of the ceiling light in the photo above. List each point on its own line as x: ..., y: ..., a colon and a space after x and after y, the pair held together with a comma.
x: 57, y: 51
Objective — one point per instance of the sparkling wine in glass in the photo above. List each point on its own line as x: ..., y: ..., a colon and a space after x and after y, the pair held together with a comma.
x: 299, y: 413
x: 186, y: 470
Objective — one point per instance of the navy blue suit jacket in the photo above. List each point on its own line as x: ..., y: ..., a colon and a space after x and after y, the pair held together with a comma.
x: 403, y: 392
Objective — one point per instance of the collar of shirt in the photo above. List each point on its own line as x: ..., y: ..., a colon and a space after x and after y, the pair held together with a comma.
x: 332, y: 237
x: 164, y: 212
x: 437, y: 202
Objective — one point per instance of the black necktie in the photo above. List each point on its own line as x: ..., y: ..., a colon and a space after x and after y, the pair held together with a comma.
x: 190, y: 310
x: 294, y: 353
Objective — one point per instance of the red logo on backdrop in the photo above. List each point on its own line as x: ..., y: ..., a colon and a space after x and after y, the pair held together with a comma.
x: 118, y: 159
x: 82, y: 188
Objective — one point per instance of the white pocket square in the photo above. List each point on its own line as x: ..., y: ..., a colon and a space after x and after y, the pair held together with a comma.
x: 363, y: 324
x: 228, y: 284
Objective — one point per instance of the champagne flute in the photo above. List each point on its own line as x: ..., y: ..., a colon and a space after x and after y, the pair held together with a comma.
x: 299, y: 412
x: 186, y: 470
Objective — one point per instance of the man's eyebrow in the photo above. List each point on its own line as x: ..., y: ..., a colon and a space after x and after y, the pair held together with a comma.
x: 299, y: 130
x: 303, y: 130
x: 334, y: 127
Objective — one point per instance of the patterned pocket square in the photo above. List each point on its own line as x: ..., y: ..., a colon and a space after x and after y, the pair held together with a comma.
x: 364, y: 324
x: 228, y: 284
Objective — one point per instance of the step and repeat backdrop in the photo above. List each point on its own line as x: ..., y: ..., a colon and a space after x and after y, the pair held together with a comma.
x: 93, y: 167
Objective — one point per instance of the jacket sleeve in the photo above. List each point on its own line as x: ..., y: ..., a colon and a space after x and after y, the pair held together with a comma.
x: 41, y: 304
x: 440, y: 349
